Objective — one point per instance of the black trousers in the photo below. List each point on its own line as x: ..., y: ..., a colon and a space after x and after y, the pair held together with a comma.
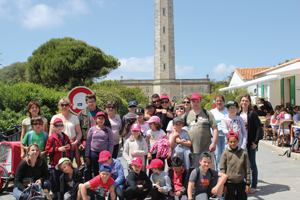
x: 156, y: 195
x: 130, y: 194
x: 115, y: 151
x: 236, y: 191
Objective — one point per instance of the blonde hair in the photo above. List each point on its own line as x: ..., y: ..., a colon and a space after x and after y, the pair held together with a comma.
x: 39, y: 159
x: 64, y: 100
x: 67, y: 163
x: 181, y: 105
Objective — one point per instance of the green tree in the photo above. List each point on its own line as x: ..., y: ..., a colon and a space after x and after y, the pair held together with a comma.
x: 68, y: 62
x: 14, y: 73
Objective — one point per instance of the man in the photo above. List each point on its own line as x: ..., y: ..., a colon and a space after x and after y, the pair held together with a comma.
x: 131, y: 108
x: 199, y: 122
x: 156, y: 101
x: 267, y: 104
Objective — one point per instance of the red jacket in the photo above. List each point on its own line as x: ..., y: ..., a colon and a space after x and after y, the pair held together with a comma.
x: 58, y: 143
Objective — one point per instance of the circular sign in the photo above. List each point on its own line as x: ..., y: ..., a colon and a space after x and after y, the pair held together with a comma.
x: 77, y: 98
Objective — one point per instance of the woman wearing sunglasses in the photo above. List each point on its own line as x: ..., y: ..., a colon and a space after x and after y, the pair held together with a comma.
x: 187, y: 104
x: 164, y: 112
x: 179, y: 110
x: 71, y: 127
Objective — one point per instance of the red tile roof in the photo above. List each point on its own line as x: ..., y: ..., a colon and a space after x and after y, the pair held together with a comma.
x: 247, y: 73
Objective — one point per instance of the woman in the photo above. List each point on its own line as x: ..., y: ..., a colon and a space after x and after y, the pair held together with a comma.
x: 163, y: 113
x: 253, y: 127
x: 283, y: 115
x: 187, y: 104
x: 116, y: 125
x: 219, y: 113
x: 150, y: 111
x: 179, y: 110
x: 33, y: 169
x: 71, y: 127
x: 34, y: 110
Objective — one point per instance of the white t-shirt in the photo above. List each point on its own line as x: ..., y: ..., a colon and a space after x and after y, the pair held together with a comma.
x: 155, y: 136
x: 144, y: 129
x: 69, y: 125
x: 219, y: 115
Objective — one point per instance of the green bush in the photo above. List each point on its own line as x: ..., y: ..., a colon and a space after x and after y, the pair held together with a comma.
x: 8, y: 118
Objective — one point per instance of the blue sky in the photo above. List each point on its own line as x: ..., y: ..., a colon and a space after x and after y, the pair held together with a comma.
x: 211, y: 37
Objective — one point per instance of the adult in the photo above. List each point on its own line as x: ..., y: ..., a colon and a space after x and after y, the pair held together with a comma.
x: 267, y: 104
x: 283, y: 115
x: 187, y: 104
x: 131, y: 108
x: 254, y: 129
x: 150, y: 111
x: 199, y: 122
x: 179, y: 110
x: 34, y: 110
x: 260, y: 112
x: 156, y: 101
x: 32, y: 169
x: 71, y: 128
x: 165, y: 114
x: 296, y: 119
x: 116, y: 125
x: 219, y: 112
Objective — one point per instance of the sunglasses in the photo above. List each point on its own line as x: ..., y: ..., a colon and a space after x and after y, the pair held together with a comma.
x: 196, y: 120
x: 156, y: 101
x: 132, y: 106
x: 110, y: 107
x: 180, y: 108
x: 35, y: 124
x: 91, y: 102
x: 64, y: 105
x: 58, y: 125
x: 164, y: 102
x: 186, y: 102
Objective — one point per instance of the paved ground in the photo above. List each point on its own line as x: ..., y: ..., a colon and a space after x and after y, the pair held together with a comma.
x: 279, y: 176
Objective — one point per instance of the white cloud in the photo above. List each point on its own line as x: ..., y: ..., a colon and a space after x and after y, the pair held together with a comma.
x: 223, y: 69
x: 183, y: 70
x: 98, y: 2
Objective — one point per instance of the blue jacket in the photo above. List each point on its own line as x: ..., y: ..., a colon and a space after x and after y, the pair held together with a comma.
x: 117, y: 172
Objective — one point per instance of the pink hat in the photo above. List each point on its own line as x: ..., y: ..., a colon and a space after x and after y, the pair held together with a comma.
x: 155, y: 163
x: 104, y: 155
x: 137, y: 161
x: 57, y: 120
x: 232, y: 134
x: 100, y: 113
x: 135, y: 127
x: 195, y: 97
x: 164, y: 97
x: 153, y: 119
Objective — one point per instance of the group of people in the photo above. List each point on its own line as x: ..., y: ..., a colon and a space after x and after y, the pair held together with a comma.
x: 208, y: 151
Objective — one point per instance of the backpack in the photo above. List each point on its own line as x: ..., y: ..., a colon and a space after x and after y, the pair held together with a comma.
x: 34, y: 192
x: 187, y: 113
x: 31, y: 135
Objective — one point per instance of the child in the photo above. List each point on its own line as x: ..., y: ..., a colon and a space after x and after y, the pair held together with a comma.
x: 206, y: 180
x: 99, y: 184
x: 57, y: 146
x: 177, y: 176
x: 69, y: 180
x: 234, y: 123
x: 161, y: 183
x: 140, y: 120
x: 36, y: 136
x: 234, y: 162
x: 180, y: 142
x: 99, y: 138
x: 135, y: 146
x: 137, y: 182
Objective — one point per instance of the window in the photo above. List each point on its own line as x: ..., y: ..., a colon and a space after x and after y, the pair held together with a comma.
x: 164, y: 66
x: 147, y: 89
x: 164, y: 47
x: 164, y: 11
x: 192, y: 90
x: 164, y: 29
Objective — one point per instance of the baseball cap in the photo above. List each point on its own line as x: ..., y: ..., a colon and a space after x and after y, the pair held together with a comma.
x: 149, y: 104
x: 155, y: 163
x: 205, y: 154
x: 100, y: 113
x: 139, y: 110
x: 164, y: 97
x: 131, y: 116
x: 177, y: 119
x: 105, y: 167
x: 137, y: 161
x: 232, y: 134
x: 61, y: 161
x: 153, y: 119
x: 195, y: 97
x: 104, y: 155
x: 132, y: 103
x: 231, y: 103
x: 57, y: 120
x: 135, y: 127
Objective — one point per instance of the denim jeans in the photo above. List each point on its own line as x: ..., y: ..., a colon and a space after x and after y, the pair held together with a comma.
x: 220, y: 148
x: 17, y: 193
x: 252, y: 161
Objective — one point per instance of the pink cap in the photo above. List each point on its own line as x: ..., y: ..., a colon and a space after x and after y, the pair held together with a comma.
x: 57, y: 120
x: 100, y: 113
x: 135, y: 127
x: 155, y: 163
x: 153, y: 119
x: 232, y: 134
x: 195, y: 97
x: 137, y: 161
x: 104, y: 155
x: 164, y: 97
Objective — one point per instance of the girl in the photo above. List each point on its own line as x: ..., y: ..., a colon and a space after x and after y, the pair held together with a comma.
x: 150, y: 111
x: 135, y: 146
x: 99, y: 138
x: 179, y: 110
x: 140, y: 120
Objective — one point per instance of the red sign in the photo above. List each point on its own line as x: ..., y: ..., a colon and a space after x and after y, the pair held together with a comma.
x: 77, y: 98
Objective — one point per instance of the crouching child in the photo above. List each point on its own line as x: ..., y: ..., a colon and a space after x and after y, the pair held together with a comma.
x: 205, y: 180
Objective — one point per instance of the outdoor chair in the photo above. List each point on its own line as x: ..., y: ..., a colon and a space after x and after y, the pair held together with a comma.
x: 284, y: 132
x: 267, y: 129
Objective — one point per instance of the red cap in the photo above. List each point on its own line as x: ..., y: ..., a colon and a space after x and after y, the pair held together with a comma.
x: 195, y: 97
x: 57, y: 120
x: 137, y: 161
x: 155, y: 163
x: 104, y: 155
x: 232, y: 134
x: 164, y: 97
x: 100, y: 113
x: 135, y: 127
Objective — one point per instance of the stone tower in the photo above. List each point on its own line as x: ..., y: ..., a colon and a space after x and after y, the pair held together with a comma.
x: 164, y: 52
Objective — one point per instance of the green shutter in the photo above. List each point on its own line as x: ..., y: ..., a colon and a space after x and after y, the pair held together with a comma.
x: 262, y: 91
x: 293, y: 96
x: 282, y: 90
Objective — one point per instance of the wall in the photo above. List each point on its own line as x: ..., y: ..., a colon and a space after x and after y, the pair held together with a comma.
x: 297, y: 80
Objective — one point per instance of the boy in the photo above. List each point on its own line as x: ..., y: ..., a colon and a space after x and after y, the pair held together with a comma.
x: 69, y: 180
x: 234, y: 162
x: 99, y: 184
x: 160, y: 180
x: 234, y: 123
x: 205, y: 180
x: 36, y: 136
x: 180, y: 142
x: 57, y: 146
x: 177, y: 176
x: 137, y: 182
